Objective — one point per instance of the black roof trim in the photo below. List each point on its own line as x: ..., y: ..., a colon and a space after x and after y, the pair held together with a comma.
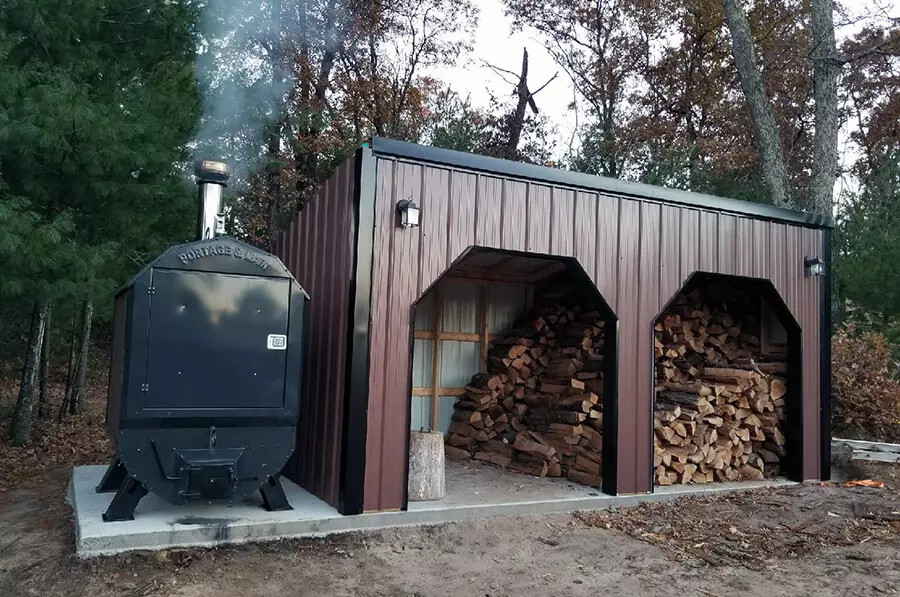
x: 470, y: 161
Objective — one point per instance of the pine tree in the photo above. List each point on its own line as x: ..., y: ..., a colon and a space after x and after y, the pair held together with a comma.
x: 867, y: 250
x: 97, y: 103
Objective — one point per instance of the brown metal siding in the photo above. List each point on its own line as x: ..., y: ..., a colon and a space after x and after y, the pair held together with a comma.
x: 538, y: 224
x: 639, y: 253
x: 648, y: 307
x: 487, y: 212
x: 434, y: 227
x: 586, y: 232
x: 562, y: 222
x: 515, y: 201
x: 317, y: 248
x: 607, y: 256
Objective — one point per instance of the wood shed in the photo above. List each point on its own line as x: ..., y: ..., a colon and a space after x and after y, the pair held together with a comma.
x: 402, y: 315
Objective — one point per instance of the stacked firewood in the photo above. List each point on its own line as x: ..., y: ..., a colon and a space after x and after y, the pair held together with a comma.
x: 719, y: 407
x: 538, y: 409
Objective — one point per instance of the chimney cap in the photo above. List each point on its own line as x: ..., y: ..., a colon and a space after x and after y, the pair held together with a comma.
x: 211, y: 171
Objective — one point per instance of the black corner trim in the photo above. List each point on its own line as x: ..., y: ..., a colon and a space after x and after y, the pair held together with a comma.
x: 825, y: 359
x: 609, y: 477
x: 356, y: 396
x: 435, y: 155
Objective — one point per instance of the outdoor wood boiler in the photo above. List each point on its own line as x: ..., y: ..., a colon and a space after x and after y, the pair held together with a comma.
x: 204, y: 384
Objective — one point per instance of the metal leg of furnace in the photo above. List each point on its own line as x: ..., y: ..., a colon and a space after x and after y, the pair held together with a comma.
x: 125, y: 501
x: 273, y: 495
x: 113, y: 477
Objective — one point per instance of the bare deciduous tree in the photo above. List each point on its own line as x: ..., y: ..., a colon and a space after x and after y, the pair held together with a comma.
x: 826, y: 68
x: 765, y: 129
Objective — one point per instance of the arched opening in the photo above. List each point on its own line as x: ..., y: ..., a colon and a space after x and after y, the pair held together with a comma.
x: 514, y: 362
x: 727, y: 399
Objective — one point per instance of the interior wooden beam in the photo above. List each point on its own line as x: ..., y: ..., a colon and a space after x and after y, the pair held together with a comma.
x: 436, y: 357
x: 485, y: 337
x: 440, y: 391
x: 458, y: 336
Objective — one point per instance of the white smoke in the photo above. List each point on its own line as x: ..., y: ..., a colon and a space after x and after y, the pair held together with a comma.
x: 234, y: 69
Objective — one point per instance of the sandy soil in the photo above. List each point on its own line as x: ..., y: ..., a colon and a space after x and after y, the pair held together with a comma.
x: 806, y: 540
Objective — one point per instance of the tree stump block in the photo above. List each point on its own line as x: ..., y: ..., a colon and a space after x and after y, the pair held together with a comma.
x: 426, y: 466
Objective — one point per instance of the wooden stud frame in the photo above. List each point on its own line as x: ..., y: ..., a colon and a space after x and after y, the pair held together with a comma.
x: 436, y: 356
x: 483, y: 336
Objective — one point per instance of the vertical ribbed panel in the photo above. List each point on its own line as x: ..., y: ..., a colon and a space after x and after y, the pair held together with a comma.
x: 514, y: 213
x: 607, y: 256
x: 435, y: 213
x: 538, y: 224
x: 649, y: 305
x: 670, y: 242
x: 318, y: 248
x: 461, y: 231
x: 586, y: 232
x: 688, y: 245
x: 562, y: 222
x: 727, y: 243
x: 629, y: 333
x: 379, y: 398
x: 489, y: 204
x: 638, y: 253
x: 709, y: 241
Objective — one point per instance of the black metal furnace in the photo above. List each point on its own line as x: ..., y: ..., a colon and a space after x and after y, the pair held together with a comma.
x: 204, y: 387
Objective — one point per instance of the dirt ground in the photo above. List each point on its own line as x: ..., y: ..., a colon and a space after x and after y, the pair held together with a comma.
x: 804, y: 540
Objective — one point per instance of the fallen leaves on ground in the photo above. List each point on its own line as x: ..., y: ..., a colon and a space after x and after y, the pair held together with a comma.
x: 80, y: 439
x: 756, y: 529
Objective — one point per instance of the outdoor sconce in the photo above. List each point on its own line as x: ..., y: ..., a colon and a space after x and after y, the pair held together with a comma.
x: 814, y: 266
x: 409, y: 213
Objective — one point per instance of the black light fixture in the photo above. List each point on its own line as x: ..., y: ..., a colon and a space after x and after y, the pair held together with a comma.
x: 409, y: 213
x: 814, y: 266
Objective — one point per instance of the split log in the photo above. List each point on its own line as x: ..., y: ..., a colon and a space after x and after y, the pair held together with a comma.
x: 682, y: 398
x: 498, y: 459
x: 719, y: 408
x: 584, y: 478
x: 457, y: 453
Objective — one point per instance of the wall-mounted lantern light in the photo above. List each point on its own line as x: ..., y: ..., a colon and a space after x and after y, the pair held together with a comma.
x: 409, y: 213
x: 814, y: 266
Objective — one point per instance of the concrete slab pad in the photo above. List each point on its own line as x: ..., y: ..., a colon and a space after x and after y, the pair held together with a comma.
x: 474, y: 491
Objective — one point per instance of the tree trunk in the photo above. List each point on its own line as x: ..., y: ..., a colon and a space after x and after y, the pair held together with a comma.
x: 43, y: 408
x: 77, y: 398
x: 70, y: 371
x: 274, y: 142
x: 517, y: 123
x: 826, y: 68
x: 765, y: 129
x: 20, y: 426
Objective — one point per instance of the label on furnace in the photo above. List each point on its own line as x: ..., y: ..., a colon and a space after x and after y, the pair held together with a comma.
x: 276, y: 342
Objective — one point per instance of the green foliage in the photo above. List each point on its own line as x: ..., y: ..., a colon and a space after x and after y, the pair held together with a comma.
x: 455, y: 123
x: 32, y: 249
x: 867, y: 251
x: 97, y: 102
x: 678, y: 167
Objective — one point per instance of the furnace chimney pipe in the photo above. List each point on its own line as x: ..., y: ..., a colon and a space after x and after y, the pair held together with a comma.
x: 212, y: 178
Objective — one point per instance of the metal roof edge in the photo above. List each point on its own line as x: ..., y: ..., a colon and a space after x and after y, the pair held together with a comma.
x: 636, y: 190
